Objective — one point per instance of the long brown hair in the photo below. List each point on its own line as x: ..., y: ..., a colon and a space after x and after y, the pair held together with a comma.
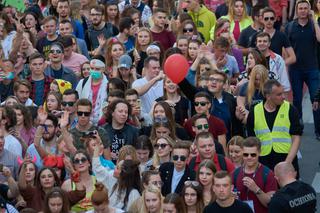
x: 56, y: 192
x: 143, y: 29
x: 231, y: 9
x: 108, y: 45
x: 198, y: 188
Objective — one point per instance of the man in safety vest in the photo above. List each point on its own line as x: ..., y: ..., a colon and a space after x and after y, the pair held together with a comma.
x: 276, y: 123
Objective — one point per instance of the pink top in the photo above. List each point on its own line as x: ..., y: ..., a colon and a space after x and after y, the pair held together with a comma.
x: 28, y: 135
x: 74, y: 62
x: 277, y: 6
x: 95, y: 91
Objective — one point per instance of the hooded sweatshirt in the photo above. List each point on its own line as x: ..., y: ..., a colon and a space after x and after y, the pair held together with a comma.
x: 204, y: 20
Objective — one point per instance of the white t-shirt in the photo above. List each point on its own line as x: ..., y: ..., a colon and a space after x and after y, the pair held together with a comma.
x: 13, y: 145
x: 149, y: 97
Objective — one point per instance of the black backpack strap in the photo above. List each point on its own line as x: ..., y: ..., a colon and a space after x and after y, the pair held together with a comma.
x: 222, y: 162
x: 265, y: 173
x: 192, y: 163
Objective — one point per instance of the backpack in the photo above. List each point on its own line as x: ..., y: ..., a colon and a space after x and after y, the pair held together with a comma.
x: 265, y: 173
x: 221, y: 160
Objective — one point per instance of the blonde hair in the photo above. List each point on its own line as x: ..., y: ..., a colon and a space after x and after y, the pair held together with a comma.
x: 256, y: 70
x: 152, y: 189
x: 127, y: 150
x: 156, y: 159
x: 231, y: 9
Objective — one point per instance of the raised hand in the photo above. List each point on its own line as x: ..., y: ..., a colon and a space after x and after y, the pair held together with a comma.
x: 42, y: 115
x: 64, y: 121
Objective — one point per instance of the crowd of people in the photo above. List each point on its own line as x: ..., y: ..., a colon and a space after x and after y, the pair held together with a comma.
x: 90, y: 122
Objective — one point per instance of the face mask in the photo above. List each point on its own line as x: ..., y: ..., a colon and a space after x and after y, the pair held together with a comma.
x: 10, y: 76
x: 95, y: 74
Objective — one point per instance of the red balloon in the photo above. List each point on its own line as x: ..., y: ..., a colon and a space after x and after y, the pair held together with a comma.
x: 176, y: 67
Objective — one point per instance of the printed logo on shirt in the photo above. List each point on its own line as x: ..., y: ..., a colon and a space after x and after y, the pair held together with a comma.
x: 302, y: 200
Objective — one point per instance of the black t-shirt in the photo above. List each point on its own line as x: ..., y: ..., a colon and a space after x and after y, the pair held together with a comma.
x: 295, y: 127
x: 237, y: 206
x: 4, y: 191
x: 279, y: 40
x: 246, y: 37
x: 296, y: 197
x: 118, y: 142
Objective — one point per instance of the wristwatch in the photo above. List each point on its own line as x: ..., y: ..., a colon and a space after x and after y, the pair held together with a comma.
x: 258, y: 191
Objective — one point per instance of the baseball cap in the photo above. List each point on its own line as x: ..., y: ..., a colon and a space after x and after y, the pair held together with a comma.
x: 125, y: 62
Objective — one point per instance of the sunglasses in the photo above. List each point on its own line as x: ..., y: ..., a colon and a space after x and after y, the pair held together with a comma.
x: 55, y: 51
x: 251, y: 154
x: 160, y: 120
x: 177, y: 157
x: 200, y: 103
x: 80, y: 161
x: 161, y: 145
x: 269, y: 18
x: 193, y: 183
x: 66, y: 103
x: 202, y: 126
x: 86, y: 114
x: 188, y: 30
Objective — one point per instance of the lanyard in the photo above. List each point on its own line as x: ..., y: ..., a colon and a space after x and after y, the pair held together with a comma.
x: 253, y: 177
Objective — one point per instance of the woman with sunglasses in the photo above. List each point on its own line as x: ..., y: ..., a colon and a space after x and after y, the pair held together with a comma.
x: 80, y: 172
x: 46, y: 180
x: 162, y: 150
x: 192, y: 194
x: 234, y: 147
x: 123, y: 186
x: 175, y: 173
x: 239, y: 19
x: 205, y: 176
x: 188, y: 28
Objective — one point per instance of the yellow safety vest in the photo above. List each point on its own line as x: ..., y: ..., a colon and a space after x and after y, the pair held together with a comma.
x: 279, y: 139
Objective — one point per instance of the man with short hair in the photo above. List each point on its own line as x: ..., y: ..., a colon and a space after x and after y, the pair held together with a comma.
x: 277, y: 66
x: 40, y: 84
x: 202, y: 104
x: 225, y: 200
x: 144, y: 9
x: 71, y: 59
x: 21, y: 89
x: 150, y: 87
x: 99, y: 29
x: 65, y: 28
x: 56, y: 70
x: 49, y: 26
x: 254, y: 181
x: 203, y: 18
x: 83, y: 110
x: 68, y: 104
x: 64, y: 10
x: 158, y: 30
x: 174, y: 174
x: 126, y: 33
x: 206, y: 150
x: 294, y: 195
x: 276, y: 123
x: 45, y: 137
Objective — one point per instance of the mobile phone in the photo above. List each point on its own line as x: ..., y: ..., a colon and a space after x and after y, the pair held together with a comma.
x: 1, y: 167
x: 139, y: 102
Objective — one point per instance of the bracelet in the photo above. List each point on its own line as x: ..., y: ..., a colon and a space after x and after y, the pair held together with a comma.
x: 258, y: 191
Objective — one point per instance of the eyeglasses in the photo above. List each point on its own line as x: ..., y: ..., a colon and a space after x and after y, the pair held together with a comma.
x: 251, y: 154
x: 80, y: 161
x: 55, y: 51
x: 86, y: 114
x: 160, y: 145
x: 66, y: 103
x: 177, y: 157
x: 187, y: 30
x: 216, y: 80
x: 160, y: 120
x: 202, y: 126
x: 96, y: 14
x: 200, y: 103
x: 157, y: 183
x: 193, y: 183
x: 269, y: 18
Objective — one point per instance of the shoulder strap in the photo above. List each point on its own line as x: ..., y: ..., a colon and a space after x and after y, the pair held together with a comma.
x: 222, y: 162
x: 84, y: 81
x: 265, y: 173
x: 192, y: 163
x: 236, y: 173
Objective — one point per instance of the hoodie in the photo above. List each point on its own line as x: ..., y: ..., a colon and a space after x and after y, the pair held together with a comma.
x: 204, y: 20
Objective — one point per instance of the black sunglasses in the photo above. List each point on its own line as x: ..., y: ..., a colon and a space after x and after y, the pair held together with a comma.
x: 200, y: 103
x: 269, y: 18
x: 160, y: 120
x: 251, y: 154
x: 187, y: 30
x: 80, y: 161
x: 67, y: 103
x: 177, y: 157
x: 86, y: 114
x: 161, y: 145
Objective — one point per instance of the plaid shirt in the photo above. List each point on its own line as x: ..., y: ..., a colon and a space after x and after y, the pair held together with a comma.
x: 47, y: 82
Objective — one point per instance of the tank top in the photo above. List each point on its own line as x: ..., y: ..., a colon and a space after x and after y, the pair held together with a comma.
x: 84, y: 204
